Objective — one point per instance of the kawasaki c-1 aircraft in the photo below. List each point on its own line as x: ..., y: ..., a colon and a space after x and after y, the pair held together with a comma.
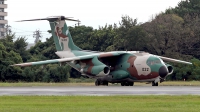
x: 125, y: 67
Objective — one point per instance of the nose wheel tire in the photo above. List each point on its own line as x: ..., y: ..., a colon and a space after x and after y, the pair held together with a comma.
x: 154, y: 84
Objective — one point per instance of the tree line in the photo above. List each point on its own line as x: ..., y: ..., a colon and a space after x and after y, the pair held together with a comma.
x: 174, y: 33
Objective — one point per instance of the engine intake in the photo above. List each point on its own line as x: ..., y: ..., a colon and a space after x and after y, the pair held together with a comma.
x: 170, y: 68
x: 106, y: 70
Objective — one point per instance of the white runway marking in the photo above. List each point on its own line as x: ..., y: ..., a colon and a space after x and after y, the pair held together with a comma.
x: 102, y: 90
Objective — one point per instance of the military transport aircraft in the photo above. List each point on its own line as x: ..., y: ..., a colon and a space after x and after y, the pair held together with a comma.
x: 125, y: 67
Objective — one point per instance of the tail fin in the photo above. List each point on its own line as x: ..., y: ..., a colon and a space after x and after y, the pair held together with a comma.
x: 62, y: 36
x: 60, y: 32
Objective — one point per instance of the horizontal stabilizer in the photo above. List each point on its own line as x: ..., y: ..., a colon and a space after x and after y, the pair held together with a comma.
x: 52, y: 18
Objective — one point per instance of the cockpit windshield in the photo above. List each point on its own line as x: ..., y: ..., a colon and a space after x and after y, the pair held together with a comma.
x: 152, y: 62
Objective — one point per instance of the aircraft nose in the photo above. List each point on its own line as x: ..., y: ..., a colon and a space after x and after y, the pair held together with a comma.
x: 163, y: 71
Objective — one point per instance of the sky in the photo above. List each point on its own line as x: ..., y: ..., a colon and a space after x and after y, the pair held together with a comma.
x: 93, y: 13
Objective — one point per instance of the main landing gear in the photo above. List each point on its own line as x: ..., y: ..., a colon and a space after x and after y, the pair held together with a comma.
x: 154, y: 83
x: 127, y: 83
x: 99, y: 82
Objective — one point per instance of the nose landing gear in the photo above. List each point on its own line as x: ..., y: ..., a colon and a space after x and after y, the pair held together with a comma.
x: 154, y: 83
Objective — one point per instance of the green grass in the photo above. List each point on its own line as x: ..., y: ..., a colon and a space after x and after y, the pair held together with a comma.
x: 180, y: 83
x: 100, y: 103
x: 26, y: 84
x: 76, y: 82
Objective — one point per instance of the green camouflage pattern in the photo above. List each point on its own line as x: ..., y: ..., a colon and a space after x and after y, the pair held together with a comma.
x: 130, y: 65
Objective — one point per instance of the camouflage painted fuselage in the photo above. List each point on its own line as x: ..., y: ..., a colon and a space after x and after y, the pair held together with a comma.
x: 115, y: 66
x: 122, y: 65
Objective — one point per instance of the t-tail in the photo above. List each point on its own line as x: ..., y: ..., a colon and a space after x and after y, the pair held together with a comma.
x: 60, y: 32
x: 62, y: 36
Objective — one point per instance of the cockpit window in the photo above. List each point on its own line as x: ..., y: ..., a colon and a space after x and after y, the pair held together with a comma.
x: 152, y: 62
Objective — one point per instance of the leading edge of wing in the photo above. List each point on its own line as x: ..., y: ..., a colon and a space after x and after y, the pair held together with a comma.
x: 174, y: 60
x: 99, y: 55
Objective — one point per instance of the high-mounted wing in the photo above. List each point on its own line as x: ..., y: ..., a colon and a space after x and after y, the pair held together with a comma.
x: 84, y: 57
x: 174, y: 60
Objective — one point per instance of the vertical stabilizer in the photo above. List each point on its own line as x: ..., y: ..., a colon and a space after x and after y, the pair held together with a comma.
x: 62, y: 36
x: 60, y: 32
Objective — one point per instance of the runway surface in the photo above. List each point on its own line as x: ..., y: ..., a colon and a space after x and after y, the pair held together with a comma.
x: 102, y: 90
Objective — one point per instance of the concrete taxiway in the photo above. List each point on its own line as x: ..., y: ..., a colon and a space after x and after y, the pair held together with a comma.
x: 101, y: 90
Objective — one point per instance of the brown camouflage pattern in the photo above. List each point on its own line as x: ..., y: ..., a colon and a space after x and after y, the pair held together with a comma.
x: 134, y: 73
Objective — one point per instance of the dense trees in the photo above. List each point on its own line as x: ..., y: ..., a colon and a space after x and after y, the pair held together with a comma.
x: 9, y: 57
x: 20, y: 47
x: 189, y: 11
x: 129, y: 35
x: 185, y: 7
x: 164, y: 34
x: 174, y: 33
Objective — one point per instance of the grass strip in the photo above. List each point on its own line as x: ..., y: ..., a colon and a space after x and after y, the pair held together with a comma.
x: 163, y: 103
x: 167, y: 83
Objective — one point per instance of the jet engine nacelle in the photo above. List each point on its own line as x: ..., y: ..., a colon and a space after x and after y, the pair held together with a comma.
x: 94, y: 67
x: 170, y: 68
x: 100, y: 70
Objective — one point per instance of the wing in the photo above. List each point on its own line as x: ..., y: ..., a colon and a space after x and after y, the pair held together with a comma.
x: 174, y: 60
x: 84, y: 57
